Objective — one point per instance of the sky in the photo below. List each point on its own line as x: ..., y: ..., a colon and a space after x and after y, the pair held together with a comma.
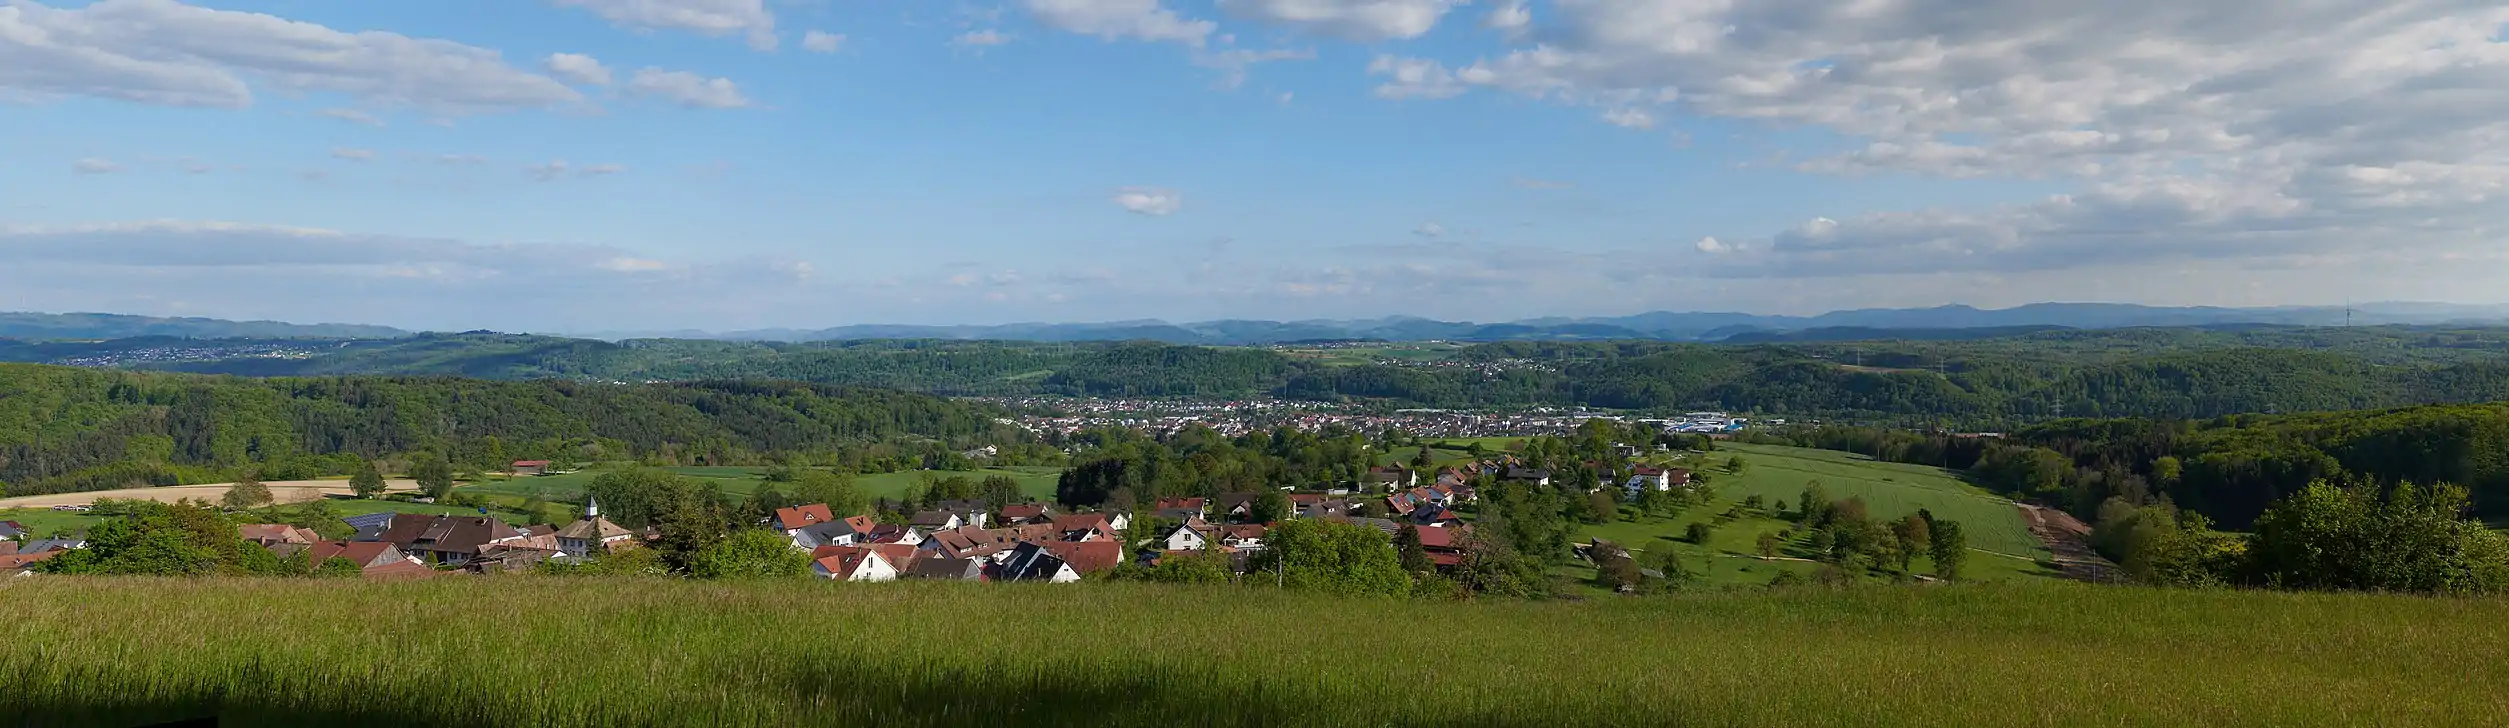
x: 606, y: 165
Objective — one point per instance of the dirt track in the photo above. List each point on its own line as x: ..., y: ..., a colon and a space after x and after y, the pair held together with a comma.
x: 283, y: 492
x: 2070, y: 538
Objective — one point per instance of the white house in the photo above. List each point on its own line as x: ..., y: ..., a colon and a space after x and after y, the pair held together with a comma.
x: 855, y: 564
x: 1186, y: 538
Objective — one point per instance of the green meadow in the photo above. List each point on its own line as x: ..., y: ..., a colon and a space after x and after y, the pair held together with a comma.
x: 1891, y: 490
x: 658, y: 652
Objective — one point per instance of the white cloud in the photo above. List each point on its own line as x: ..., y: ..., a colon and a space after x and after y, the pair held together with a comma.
x: 1151, y: 201
x: 352, y: 116
x: 2242, y: 128
x: 748, y: 18
x: 578, y: 68
x: 981, y: 38
x: 1713, y: 246
x: 1234, y: 63
x: 1412, y: 78
x: 92, y: 165
x: 547, y: 171
x: 818, y: 42
x: 1363, y: 20
x: 169, y: 53
x: 1629, y: 118
x: 1429, y: 230
x: 353, y: 154
x: 1113, y: 19
x: 687, y: 89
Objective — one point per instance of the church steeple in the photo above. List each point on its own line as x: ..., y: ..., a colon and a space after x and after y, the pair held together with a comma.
x: 592, y: 508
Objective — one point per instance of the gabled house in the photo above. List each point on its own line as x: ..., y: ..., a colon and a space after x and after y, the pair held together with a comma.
x: 1187, y: 536
x: 967, y: 543
x: 892, y: 533
x: 271, y: 534
x: 1536, y: 476
x: 373, y: 558
x: 797, y: 518
x: 948, y: 569
x: 1027, y: 513
x: 1193, y: 509
x: 970, y: 512
x: 1235, y: 506
x: 1393, y: 477
x: 529, y: 467
x: 848, y: 532
x: 1436, y: 515
x: 593, y: 535
x: 940, y: 521
x: 1086, y: 527
x: 1244, y: 537
x: 1087, y: 557
x: 449, y: 540
x: 1444, y: 546
x: 21, y: 564
x: 852, y: 563
x: 49, y: 545
x: 1646, y: 478
x: 1032, y: 562
x: 1320, y: 506
x: 1401, y: 504
x: 11, y: 530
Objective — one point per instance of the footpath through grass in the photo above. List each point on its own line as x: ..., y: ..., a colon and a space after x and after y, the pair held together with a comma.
x: 601, y: 652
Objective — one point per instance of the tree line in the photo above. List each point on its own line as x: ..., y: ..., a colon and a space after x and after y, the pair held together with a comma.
x: 66, y: 429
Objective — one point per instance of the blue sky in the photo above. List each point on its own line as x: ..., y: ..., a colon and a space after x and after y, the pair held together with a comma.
x: 582, y: 165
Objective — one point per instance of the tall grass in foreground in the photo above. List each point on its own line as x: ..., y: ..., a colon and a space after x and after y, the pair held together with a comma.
x: 615, y: 652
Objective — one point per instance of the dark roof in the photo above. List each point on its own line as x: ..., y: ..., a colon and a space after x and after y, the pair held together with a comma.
x: 1389, y: 527
x: 1528, y: 473
x: 370, y: 526
x: 455, y: 534
x: 934, y: 519
x: 1030, y: 561
x: 1026, y: 511
x: 51, y: 544
x: 943, y: 567
x: 11, y: 529
x: 963, y: 507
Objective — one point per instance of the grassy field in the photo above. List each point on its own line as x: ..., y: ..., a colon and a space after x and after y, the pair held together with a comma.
x: 45, y: 521
x: 594, y: 652
x: 1891, y: 489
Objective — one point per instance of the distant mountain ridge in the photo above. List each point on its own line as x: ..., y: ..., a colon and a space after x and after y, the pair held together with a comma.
x: 54, y: 326
x: 1940, y: 322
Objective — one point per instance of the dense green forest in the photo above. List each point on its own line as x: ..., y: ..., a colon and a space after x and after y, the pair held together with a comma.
x: 1990, y: 383
x: 67, y: 429
x: 2227, y: 469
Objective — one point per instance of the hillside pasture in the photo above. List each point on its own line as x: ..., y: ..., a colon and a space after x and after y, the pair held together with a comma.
x: 658, y: 652
x: 1891, y: 490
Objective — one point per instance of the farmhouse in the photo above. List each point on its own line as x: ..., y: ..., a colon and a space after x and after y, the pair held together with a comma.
x: 530, y: 467
x: 449, y: 540
x: 797, y: 518
x: 1393, y: 477
x: 1086, y: 527
x: 273, y: 534
x: 1187, y: 536
x: 593, y: 535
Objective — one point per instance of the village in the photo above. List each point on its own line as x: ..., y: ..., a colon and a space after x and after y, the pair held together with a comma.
x: 961, y: 540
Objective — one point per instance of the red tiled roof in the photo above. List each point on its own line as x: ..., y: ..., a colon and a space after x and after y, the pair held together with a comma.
x: 799, y: 517
x: 531, y: 463
x: 1025, y: 511
x: 898, y: 555
x: 843, y: 561
x: 1245, y: 531
x: 1437, y: 537
x: 20, y: 561
x: 1087, y: 557
x: 363, y: 553
x: 861, y: 524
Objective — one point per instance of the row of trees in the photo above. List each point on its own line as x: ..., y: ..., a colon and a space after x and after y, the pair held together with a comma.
x: 2407, y: 538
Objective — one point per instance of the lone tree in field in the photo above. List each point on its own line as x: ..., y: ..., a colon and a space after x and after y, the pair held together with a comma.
x: 1736, y: 465
x: 1951, y: 549
x: 1769, y: 543
x: 367, y: 482
x: 1603, y: 506
x: 434, y: 475
x: 1915, y: 535
x: 248, y: 492
x: 1699, y: 533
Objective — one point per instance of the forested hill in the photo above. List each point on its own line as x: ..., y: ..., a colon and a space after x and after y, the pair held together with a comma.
x: 64, y: 429
x: 41, y: 326
x: 1993, y: 383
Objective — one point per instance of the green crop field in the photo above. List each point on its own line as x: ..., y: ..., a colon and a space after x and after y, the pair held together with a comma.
x: 1890, y: 489
x: 658, y: 652
x: 46, y: 521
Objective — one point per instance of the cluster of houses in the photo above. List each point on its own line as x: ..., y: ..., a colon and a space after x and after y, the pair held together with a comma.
x: 19, y: 551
